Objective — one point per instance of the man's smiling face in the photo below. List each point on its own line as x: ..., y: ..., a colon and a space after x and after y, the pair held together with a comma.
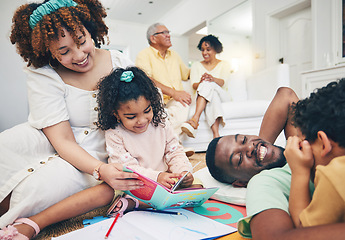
x: 243, y: 156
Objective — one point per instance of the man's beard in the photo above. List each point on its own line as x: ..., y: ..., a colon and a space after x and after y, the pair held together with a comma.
x: 281, y: 161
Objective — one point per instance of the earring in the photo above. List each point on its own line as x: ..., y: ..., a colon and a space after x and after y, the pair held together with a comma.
x: 50, y: 64
x: 53, y: 62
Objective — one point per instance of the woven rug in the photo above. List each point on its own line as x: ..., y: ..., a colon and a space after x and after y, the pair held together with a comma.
x: 72, y: 224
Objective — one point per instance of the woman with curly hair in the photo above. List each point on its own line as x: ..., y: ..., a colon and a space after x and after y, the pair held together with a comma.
x: 61, y: 150
x: 209, y: 79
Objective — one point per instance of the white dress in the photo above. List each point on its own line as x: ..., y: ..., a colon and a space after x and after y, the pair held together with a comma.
x: 29, y: 166
x: 211, y: 91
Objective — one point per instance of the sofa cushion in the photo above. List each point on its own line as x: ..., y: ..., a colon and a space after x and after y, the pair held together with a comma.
x: 237, y: 87
x: 244, y: 109
x: 239, y: 109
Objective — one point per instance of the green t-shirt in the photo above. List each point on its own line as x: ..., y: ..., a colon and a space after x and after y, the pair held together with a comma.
x: 267, y: 190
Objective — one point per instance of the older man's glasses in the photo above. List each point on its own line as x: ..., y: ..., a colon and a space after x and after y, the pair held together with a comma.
x: 163, y: 32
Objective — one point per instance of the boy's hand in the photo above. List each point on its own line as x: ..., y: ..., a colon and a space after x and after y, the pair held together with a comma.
x: 299, y: 155
x: 166, y: 179
x: 187, y: 181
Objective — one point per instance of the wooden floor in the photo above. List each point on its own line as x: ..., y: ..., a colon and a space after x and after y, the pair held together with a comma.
x: 196, y: 158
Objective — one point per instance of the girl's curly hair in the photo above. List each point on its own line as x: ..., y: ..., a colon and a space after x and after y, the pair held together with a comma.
x: 113, y: 93
x: 33, y: 44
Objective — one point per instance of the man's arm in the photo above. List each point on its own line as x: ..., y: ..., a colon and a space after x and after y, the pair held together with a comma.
x: 165, y: 89
x: 276, y: 116
x: 277, y: 224
x: 181, y: 96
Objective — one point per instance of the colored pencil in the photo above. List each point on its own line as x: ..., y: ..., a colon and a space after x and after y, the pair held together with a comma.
x: 157, y: 211
x: 111, y: 226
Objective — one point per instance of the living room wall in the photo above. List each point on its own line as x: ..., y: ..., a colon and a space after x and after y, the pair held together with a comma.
x: 12, y: 78
x: 132, y: 36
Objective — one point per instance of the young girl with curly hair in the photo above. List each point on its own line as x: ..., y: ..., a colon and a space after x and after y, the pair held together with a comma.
x: 138, y: 136
x: 61, y: 150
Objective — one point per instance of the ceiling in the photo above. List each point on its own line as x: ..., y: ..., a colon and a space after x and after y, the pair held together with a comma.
x: 139, y: 11
x: 237, y: 20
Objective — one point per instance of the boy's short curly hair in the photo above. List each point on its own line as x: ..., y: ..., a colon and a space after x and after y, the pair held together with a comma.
x: 213, y: 41
x: 323, y: 111
x: 113, y: 92
x: 33, y: 44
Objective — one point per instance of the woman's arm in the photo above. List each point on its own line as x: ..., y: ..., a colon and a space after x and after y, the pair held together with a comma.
x: 208, y: 78
x: 195, y: 75
x: 62, y: 138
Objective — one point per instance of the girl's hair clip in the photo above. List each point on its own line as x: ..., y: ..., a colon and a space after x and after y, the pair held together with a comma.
x: 127, y: 76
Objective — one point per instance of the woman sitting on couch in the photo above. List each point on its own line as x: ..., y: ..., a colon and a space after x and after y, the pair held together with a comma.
x: 208, y: 78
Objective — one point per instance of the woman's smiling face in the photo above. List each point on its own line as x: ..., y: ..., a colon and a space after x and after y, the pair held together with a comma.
x: 207, y: 51
x: 66, y: 51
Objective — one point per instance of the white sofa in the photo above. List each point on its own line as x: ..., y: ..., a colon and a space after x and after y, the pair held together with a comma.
x: 250, y: 99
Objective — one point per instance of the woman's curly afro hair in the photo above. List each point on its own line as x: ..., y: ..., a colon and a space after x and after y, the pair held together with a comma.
x: 113, y: 93
x: 33, y: 44
x: 213, y: 41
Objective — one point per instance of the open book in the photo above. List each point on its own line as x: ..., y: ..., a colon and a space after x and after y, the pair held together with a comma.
x: 152, y: 226
x: 160, y: 197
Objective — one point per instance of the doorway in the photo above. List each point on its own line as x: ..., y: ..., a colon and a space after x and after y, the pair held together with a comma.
x: 292, y: 39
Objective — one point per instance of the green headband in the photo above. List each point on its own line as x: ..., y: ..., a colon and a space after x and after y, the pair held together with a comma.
x: 48, y: 8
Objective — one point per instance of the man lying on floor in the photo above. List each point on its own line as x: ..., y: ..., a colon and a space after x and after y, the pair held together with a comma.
x: 235, y: 159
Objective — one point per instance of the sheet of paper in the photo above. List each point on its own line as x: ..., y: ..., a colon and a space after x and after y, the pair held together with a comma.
x: 150, y: 226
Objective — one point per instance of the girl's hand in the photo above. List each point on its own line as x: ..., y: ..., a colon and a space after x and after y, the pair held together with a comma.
x: 187, y: 181
x: 113, y: 175
x: 299, y: 155
x: 166, y: 179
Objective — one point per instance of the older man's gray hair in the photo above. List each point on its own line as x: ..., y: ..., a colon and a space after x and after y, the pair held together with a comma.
x: 152, y: 30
